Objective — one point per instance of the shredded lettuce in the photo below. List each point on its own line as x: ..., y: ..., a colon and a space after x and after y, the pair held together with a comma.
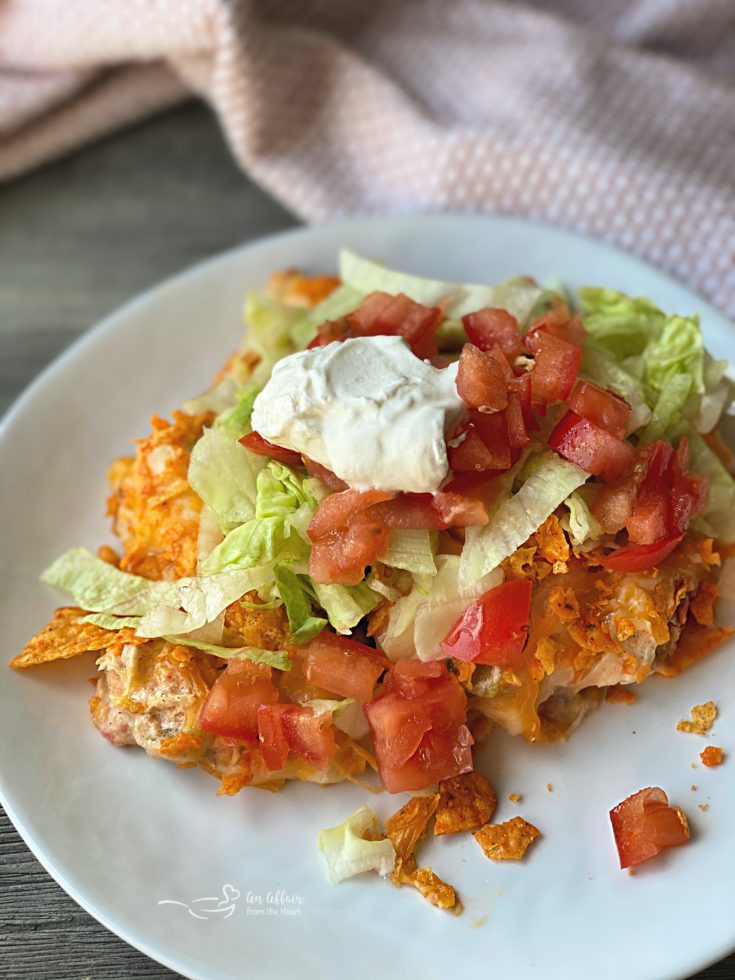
x: 304, y: 625
x: 584, y: 528
x: 219, y: 398
x: 515, y: 520
x: 718, y: 519
x: 347, y: 853
x: 269, y: 326
x: 519, y: 296
x: 412, y: 551
x: 419, y: 621
x: 236, y: 420
x: 284, y: 505
x: 272, y: 658
x: 653, y: 360
x: 152, y: 608
x: 347, y: 715
x: 223, y: 474
x: 345, y: 605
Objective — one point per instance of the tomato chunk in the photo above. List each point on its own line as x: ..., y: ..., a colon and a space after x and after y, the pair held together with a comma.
x: 494, y: 628
x: 328, y: 332
x: 590, y: 447
x: 644, y: 825
x: 284, y: 728
x: 493, y: 328
x: 481, y: 381
x: 419, y: 729
x: 326, y: 476
x: 559, y: 323
x: 482, y: 443
x: 639, y: 557
x: 433, y: 512
x: 338, y: 509
x: 342, y: 556
x: 231, y: 707
x: 257, y: 444
x: 343, y: 666
x: 381, y: 313
x: 555, y: 368
x: 604, y: 408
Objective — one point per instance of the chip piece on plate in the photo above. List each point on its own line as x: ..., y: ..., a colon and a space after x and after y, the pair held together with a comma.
x: 64, y: 637
x: 703, y: 716
x: 465, y: 803
x: 507, y: 841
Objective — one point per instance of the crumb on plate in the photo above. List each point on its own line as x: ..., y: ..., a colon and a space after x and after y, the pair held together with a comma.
x: 507, y: 841
x: 703, y: 715
x: 712, y: 756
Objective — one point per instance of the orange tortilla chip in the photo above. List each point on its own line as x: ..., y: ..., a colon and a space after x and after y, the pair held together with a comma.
x: 703, y: 715
x: 620, y: 694
x: 702, y: 605
x: 408, y: 825
x: 429, y: 885
x: 465, y: 802
x: 507, y: 841
x: 694, y: 644
x: 64, y: 637
x: 712, y: 756
x: 551, y: 541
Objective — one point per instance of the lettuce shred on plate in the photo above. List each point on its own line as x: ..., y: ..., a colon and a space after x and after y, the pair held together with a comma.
x: 552, y: 524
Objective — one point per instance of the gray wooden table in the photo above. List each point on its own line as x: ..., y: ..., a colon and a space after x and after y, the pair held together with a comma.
x: 76, y: 240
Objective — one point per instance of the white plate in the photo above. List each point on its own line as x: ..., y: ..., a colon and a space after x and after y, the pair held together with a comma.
x: 121, y: 832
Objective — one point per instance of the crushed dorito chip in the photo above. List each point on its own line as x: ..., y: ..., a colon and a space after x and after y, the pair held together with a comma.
x: 620, y: 694
x: 465, y: 802
x: 702, y: 605
x: 712, y: 756
x: 515, y: 797
x: 551, y: 541
x: 429, y: 885
x: 703, y: 715
x: 507, y: 841
x: 64, y: 637
x: 408, y: 825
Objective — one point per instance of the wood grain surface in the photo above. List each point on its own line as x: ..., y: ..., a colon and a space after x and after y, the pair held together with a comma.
x: 77, y: 239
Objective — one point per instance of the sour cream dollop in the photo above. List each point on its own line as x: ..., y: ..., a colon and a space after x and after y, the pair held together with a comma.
x: 367, y: 408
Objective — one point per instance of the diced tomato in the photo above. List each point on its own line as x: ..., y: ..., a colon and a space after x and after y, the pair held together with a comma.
x: 381, y: 313
x: 555, y: 368
x: 481, y: 381
x: 649, y: 520
x: 284, y: 728
x: 645, y: 824
x: 455, y: 510
x: 433, y: 512
x: 467, y: 452
x: 485, y: 446
x: 419, y: 729
x: 231, y: 707
x: 272, y: 737
x: 475, y: 486
x: 690, y: 499
x: 328, y: 332
x: 257, y: 444
x: 326, y: 476
x: 338, y: 509
x: 640, y: 557
x: 493, y: 328
x: 604, y: 408
x: 343, y: 666
x: 518, y: 435
x: 494, y: 628
x: 559, y: 323
x: 590, y: 447
x: 342, y: 556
